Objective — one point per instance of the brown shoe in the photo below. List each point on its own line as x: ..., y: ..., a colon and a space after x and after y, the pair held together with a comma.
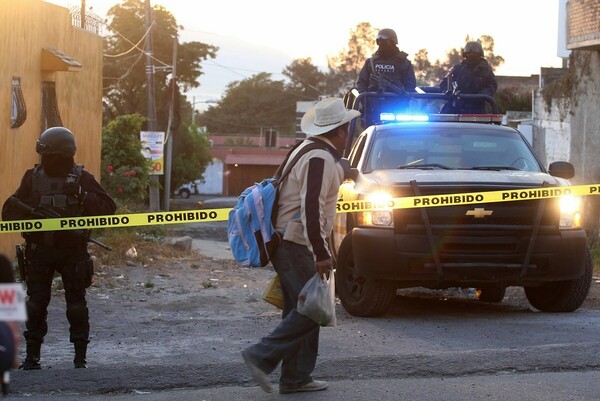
x: 314, y: 385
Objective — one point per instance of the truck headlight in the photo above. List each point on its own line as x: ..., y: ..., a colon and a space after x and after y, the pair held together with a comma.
x: 382, y: 217
x: 570, y: 212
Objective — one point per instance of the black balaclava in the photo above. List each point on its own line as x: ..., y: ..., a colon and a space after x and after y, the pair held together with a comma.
x: 472, y: 58
x: 56, y: 165
x: 386, y: 47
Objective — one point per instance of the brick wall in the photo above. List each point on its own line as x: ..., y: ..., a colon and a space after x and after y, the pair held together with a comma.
x: 583, y: 24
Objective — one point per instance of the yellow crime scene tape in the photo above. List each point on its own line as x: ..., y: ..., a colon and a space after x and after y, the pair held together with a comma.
x: 211, y: 215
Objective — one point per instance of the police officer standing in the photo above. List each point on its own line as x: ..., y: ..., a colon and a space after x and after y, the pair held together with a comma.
x: 59, y: 186
x: 472, y: 76
x: 388, y: 64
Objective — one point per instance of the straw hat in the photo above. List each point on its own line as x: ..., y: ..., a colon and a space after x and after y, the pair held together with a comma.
x: 326, y: 115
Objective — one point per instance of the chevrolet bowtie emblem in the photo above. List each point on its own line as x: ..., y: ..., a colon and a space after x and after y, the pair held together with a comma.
x: 479, y: 213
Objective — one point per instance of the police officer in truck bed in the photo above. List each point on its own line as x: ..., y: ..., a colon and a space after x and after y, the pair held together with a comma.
x: 387, y: 63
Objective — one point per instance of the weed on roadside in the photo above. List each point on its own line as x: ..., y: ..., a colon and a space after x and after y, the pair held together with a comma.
x: 595, y: 251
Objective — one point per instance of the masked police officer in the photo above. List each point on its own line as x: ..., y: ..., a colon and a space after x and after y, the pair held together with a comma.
x: 61, y: 187
x: 472, y: 76
x: 388, y: 64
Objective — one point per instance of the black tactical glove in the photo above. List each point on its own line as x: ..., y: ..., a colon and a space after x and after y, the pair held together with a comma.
x: 72, y: 188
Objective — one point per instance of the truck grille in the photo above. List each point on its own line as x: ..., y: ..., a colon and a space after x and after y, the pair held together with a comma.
x: 515, y: 214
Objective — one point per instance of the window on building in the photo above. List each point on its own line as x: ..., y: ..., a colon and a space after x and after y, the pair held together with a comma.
x: 50, y: 113
x: 18, y: 111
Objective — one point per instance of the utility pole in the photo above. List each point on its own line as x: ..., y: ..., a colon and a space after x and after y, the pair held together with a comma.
x: 169, y: 135
x: 151, y: 104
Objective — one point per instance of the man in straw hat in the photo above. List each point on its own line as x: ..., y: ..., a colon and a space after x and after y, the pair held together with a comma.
x: 307, y: 206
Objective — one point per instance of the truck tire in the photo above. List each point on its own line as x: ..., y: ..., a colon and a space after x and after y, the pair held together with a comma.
x: 562, y: 296
x: 490, y: 293
x: 185, y: 193
x: 360, y: 296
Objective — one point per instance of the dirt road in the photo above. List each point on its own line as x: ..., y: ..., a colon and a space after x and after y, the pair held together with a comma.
x: 181, y: 322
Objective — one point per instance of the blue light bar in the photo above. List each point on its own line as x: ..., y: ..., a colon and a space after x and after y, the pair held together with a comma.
x: 403, y: 117
x: 412, y: 117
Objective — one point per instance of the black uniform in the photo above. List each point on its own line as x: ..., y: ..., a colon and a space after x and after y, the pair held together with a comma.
x: 395, y: 66
x: 470, y: 79
x: 61, y: 251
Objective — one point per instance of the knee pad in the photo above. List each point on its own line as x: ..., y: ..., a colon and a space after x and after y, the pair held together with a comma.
x: 77, y: 312
x: 35, y: 310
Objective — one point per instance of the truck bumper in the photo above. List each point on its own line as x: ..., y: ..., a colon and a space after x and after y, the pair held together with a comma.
x: 468, y: 259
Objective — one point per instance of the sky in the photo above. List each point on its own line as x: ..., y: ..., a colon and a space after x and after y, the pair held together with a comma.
x: 267, y: 35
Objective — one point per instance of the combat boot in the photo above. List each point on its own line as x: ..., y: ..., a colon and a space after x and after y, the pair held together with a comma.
x: 80, y: 354
x: 32, y: 360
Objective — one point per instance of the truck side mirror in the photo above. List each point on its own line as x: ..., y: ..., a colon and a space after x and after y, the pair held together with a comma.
x: 562, y: 169
x: 350, y: 173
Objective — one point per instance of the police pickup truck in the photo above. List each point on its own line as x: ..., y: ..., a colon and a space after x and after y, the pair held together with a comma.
x: 406, y: 151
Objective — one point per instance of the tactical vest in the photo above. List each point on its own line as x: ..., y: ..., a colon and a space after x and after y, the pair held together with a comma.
x: 391, y: 69
x: 51, y: 191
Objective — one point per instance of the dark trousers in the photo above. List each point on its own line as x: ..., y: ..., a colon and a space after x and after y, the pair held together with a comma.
x: 43, y: 262
x: 295, y: 341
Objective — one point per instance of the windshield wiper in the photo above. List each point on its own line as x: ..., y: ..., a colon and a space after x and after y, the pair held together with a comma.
x: 426, y: 166
x: 494, y: 168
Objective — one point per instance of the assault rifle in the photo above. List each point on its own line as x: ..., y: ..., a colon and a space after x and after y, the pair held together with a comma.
x: 46, y: 212
x: 386, y: 84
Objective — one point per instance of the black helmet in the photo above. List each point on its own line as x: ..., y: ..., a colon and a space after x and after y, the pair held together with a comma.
x: 57, y: 141
x: 473, y: 47
x: 388, y: 34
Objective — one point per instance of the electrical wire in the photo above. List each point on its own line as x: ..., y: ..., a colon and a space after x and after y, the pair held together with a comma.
x: 126, y: 72
x: 135, y: 46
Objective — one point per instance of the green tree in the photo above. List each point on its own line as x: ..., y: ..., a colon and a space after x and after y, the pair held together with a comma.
x: 124, y: 61
x: 430, y: 73
x: 193, y: 156
x: 344, y: 68
x: 423, y: 67
x: 487, y: 42
x: 511, y: 98
x: 250, y: 105
x: 306, y: 81
x: 125, y: 170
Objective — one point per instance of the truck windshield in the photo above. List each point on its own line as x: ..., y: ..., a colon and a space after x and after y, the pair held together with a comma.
x: 473, y: 148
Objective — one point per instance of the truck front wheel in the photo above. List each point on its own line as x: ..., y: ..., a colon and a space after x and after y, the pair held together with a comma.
x: 359, y: 295
x: 562, y: 296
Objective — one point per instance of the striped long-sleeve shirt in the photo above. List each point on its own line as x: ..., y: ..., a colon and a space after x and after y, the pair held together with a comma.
x: 308, y: 197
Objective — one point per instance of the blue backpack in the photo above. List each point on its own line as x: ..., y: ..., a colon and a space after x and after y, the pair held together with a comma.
x: 250, y: 226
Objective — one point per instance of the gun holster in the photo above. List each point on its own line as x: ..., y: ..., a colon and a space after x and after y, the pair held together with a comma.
x: 22, y: 263
x: 84, y: 270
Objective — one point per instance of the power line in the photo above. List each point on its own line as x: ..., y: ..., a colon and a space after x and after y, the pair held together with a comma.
x: 127, y: 72
x: 135, y: 46
x: 232, y: 69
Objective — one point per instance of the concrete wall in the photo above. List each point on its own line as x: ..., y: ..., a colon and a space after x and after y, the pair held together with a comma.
x: 551, y: 129
x: 570, y: 129
x: 585, y: 121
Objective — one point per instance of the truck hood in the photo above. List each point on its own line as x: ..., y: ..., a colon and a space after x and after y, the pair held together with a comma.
x: 481, y: 178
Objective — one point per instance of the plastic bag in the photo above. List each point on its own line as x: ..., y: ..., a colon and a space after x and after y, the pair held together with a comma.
x: 274, y: 294
x: 317, y: 300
